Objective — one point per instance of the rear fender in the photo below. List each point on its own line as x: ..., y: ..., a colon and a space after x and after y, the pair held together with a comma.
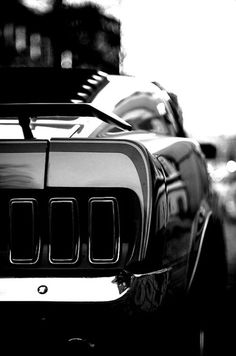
x: 198, y: 234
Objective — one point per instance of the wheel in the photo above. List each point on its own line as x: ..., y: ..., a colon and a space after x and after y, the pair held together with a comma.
x: 206, y: 298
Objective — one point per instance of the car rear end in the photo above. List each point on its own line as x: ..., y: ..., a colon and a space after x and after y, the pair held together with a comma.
x: 75, y: 227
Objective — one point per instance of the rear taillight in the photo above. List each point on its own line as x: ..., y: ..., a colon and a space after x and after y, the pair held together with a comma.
x: 104, y: 231
x: 63, y: 230
x: 24, y: 237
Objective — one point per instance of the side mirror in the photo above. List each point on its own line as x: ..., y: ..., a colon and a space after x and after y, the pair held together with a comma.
x: 209, y: 150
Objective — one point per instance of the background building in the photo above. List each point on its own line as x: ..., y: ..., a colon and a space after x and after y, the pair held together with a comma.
x: 58, y: 34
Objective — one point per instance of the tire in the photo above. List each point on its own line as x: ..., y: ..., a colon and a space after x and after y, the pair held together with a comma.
x: 205, y: 302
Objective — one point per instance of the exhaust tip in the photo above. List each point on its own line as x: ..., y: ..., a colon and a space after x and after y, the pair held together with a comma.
x: 80, y: 344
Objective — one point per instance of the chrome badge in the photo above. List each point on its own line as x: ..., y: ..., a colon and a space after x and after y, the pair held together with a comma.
x: 42, y: 289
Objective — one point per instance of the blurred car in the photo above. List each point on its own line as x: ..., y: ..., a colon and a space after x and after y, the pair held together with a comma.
x: 109, y: 241
x: 223, y: 176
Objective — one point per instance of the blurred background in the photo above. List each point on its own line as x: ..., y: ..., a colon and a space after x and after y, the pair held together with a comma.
x: 188, y: 46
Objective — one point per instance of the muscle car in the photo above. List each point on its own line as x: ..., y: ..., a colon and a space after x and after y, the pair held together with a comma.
x: 109, y: 238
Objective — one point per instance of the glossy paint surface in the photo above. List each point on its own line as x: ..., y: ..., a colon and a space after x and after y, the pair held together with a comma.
x: 22, y: 165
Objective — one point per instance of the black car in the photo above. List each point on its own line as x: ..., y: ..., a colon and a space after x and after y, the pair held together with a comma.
x: 109, y: 239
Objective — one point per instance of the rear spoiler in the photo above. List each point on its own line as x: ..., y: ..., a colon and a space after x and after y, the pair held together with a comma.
x: 25, y: 111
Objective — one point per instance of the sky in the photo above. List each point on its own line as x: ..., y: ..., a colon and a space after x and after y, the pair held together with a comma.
x: 188, y: 46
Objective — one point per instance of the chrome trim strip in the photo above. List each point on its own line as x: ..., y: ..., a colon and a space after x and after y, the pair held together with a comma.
x: 26, y: 261
x: 97, y: 289
x: 159, y: 271
x: 200, y: 249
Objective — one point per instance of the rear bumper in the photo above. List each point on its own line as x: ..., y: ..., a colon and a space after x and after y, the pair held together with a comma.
x: 151, y: 286
x: 110, y: 307
x: 97, y: 289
